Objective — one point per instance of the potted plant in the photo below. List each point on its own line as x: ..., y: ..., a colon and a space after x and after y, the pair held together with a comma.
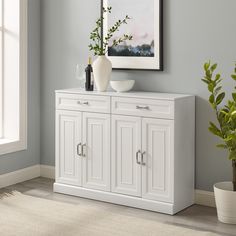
x: 225, y: 129
x: 102, y: 67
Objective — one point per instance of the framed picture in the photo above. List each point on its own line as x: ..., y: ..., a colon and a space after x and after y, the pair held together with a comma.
x: 145, y: 50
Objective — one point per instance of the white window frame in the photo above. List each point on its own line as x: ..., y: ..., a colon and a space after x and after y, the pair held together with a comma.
x: 7, y: 145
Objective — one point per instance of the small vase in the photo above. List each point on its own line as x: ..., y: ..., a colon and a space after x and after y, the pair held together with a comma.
x: 102, y: 68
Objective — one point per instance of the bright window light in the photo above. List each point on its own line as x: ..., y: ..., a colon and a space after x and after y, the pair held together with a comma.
x: 13, y: 76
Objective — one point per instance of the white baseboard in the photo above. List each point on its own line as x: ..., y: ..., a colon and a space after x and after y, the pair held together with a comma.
x: 47, y: 171
x: 19, y: 176
x: 204, y: 198
x: 27, y: 174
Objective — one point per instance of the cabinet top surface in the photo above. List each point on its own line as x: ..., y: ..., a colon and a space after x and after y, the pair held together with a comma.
x: 131, y: 94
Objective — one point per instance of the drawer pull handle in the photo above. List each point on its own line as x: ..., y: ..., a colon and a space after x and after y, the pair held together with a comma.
x: 137, y: 157
x: 142, y: 108
x: 83, y: 150
x: 142, y: 162
x: 79, y: 149
x: 83, y: 103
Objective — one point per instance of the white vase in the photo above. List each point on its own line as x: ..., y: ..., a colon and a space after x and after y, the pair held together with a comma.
x: 102, y: 68
x: 225, y: 202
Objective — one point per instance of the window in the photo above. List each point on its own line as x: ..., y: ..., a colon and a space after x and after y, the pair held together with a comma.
x: 13, y: 75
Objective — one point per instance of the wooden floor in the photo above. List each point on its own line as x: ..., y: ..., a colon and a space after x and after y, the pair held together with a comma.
x: 195, y: 217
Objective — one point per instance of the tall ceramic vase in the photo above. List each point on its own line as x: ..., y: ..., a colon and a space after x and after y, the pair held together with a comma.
x: 102, y: 68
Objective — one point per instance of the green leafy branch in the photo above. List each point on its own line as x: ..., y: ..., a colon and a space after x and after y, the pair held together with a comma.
x: 99, y: 45
x: 226, y: 114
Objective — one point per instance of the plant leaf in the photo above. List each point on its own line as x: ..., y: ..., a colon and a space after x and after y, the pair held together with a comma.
x: 207, y: 66
x: 233, y: 113
x: 234, y: 96
x: 208, y: 74
x: 211, y: 87
x: 213, y: 67
x: 233, y: 77
x: 217, y: 90
x: 224, y: 112
x: 220, y: 98
x: 218, y: 77
x: 224, y: 146
x: 215, y: 130
x: 232, y: 155
x: 205, y: 81
x: 212, y: 99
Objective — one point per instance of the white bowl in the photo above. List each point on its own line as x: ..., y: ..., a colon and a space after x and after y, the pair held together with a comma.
x: 122, y: 85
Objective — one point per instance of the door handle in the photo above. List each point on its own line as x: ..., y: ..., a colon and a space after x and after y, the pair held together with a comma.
x: 142, y: 162
x: 137, y: 157
x: 83, y: 150
x: 79, y: 149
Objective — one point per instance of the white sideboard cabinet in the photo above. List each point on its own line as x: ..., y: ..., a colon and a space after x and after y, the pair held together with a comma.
x: 134, y: 149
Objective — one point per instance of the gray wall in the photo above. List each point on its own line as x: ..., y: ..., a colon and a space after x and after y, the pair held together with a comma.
x: 31, y: 156
x: 194, y: 31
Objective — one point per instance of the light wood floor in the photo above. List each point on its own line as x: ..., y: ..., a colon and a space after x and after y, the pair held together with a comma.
x: 195, y: 217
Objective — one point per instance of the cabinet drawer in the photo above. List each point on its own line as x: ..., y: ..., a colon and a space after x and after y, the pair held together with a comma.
x: 143, y: 107
x: 83, y: 103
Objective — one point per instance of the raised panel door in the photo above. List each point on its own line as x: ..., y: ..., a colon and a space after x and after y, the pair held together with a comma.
x: 126, y: 155
x: 157, y: 167
x: 68, y: 138
x: 96, y: 150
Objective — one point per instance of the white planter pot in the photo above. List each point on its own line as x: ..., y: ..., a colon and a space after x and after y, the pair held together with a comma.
x: 225, y: 202
x: 102, y: 68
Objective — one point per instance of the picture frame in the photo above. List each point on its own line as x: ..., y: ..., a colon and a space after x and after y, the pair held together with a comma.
x: 145, y: 51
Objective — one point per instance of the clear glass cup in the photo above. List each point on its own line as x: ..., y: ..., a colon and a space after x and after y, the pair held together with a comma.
x: 80, y: 75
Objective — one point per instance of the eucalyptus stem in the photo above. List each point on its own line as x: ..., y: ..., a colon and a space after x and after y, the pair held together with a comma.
x: 100, y: 42
x: 102, y: 26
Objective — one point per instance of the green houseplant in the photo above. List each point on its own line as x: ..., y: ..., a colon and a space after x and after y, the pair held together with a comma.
x: 102, y: 67
x: 225, y: 129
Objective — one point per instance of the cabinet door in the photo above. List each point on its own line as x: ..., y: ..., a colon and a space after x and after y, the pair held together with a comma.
x: 68, y: 137
x: 126, y: 144
x: 157, y: 168
x: 96, y: 160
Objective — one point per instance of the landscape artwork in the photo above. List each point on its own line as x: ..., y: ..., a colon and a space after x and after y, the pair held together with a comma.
x: 144, y: 51
x: 140, y: 26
